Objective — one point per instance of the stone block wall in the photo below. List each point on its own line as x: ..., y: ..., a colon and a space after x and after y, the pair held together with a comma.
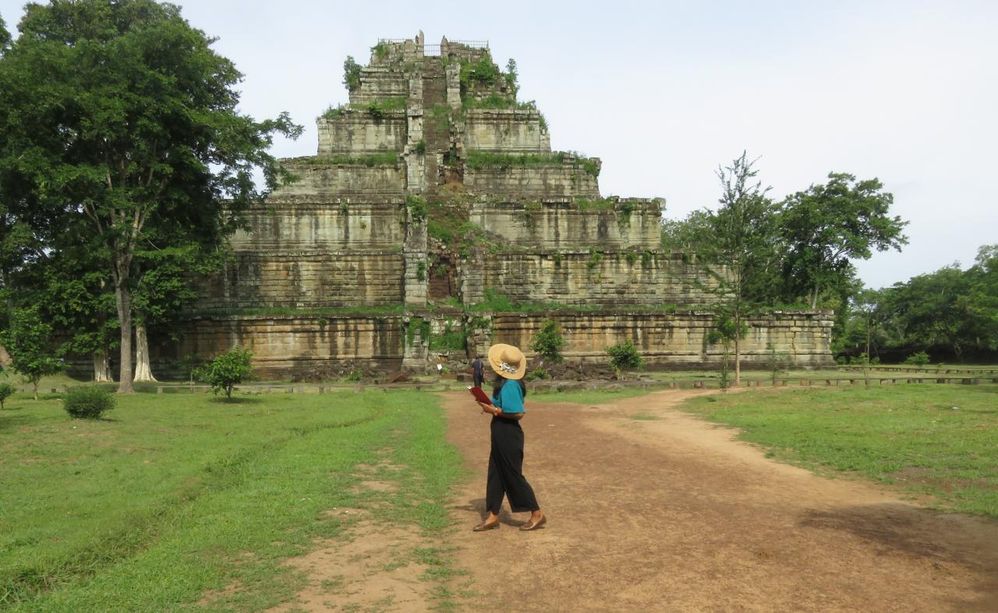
x: 675, y: 340
x: 254, y: 280
x: 378, y: 83
x: 355, y: 131
x: 506, y: 130
x: 564, y: 225
x: 317, y: 178
x: 289, y: 347
x: 592, y: 278
x: 566, y: 179
x: 340, y: 224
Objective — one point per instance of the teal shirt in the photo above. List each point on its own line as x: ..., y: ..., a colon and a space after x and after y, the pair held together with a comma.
x: 510, y: 398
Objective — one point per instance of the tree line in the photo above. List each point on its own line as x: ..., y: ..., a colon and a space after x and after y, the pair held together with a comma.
x: 124, y: 165
x: 947, y: 315
x: 799, y: 253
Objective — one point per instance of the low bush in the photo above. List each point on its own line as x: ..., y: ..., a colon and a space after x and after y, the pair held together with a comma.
x: 624, y: 356
x: 89, y: 402
x: 6, y: 389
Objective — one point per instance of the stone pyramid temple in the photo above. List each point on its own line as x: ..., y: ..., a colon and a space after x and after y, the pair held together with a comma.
x: 435, y: 220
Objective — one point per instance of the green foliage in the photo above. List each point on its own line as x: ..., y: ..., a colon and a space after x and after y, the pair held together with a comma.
x: 351, y: 74
x: 947, y: 313
x: 918, y: 359
x: 88, y: 402
x: 226, y: 371
x: 449, y: 340
x: 378, y: 109
x: 135, y: 138
x: 421, y: 147
x: 4, y: 35
x: 827, y: 226
x: 624, y: 356
x: 28, y: 340
x: 537, y: 374
x: 549, y: 342
x: 594, y: 261
x: 417, y: 208
x: 482, y: 72
x: 478, y: 160
x: 417, y: 325
x: 380, y: 50
x: 383, y: 158
x: 6, y: 391
x: 421, y: 271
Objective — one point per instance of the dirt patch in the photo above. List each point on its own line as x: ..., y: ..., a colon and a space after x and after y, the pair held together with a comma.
x: 652, y: 509
x: 371, y: 568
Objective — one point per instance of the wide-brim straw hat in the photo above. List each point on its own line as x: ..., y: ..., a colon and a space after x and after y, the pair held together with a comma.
x: 507, y: 361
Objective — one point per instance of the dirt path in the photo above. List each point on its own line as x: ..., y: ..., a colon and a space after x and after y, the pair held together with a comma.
x: 673, y: 514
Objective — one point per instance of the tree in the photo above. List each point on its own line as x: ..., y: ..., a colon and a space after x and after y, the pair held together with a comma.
x: 226, y: 370
x: 4, y: 35
x: 28, y: 341
x: 121, y: 114
x: 742, y: 252
x: 827, y: 226
x: 163, y: 289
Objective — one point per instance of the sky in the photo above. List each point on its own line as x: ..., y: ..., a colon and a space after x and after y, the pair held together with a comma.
x: 665, y: 92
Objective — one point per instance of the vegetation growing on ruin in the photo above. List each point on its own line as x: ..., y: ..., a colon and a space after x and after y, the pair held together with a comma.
x: 351, y: 74
x: 451, y: 339
x: 417, y: 207
x: 376, y: 109
x: 382, y: 158
x: 479, y: 160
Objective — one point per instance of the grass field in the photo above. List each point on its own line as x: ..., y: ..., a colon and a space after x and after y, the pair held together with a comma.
x: 940, y: 440
x: 175, y: 495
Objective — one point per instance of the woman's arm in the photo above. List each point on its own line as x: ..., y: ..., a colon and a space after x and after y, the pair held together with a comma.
x: 494, y: 410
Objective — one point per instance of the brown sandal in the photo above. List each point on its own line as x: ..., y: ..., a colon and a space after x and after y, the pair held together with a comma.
x: 534, y: 525
x: 482, y: 527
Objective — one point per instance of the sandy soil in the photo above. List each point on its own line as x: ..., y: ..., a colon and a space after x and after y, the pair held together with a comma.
x: 651, y: 509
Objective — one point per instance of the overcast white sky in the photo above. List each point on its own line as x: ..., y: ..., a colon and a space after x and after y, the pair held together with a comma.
x: 664, y: 92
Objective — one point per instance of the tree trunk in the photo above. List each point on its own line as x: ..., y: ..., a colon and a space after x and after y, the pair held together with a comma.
x: 738, y: 354
x: 102, y: 367
x: 143, y: 372
x: 123, y: 299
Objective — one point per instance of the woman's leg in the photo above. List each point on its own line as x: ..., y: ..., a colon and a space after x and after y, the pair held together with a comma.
x: 507, y: 458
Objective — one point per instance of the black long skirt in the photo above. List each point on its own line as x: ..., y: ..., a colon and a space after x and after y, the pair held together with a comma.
x: 506, y: 469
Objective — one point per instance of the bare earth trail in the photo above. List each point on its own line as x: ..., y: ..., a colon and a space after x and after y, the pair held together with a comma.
x: 673, y: 514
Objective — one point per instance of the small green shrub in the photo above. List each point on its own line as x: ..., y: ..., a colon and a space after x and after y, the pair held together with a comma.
x: 537, y: 374
x: 88, y: 402
x: 918, y: 359
x: 6, y: 389
x: 549, y: 342
x: 624, y: 356
x: 226, y: 370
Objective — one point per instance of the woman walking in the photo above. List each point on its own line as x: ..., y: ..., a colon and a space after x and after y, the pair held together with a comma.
x: 506, y: 456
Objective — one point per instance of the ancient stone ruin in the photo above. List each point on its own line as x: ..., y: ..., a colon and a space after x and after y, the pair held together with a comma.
x: 435, y: 220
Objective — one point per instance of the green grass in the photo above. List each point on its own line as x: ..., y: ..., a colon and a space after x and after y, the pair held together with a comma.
x: 927, y: 439
x: 176, y: 495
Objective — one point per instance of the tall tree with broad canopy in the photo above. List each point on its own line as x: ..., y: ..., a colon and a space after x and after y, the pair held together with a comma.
x: 121, y: 113
x: 827, y: 226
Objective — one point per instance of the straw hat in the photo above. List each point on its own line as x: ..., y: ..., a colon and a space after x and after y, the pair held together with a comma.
x: 507, y: 361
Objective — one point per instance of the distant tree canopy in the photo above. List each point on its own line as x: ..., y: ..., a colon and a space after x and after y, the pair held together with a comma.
x: 950, y: 314
x: 802, y: 248
x: 119, y: 133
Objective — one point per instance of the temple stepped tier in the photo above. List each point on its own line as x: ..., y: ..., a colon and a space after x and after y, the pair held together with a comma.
x: 434, y: 220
